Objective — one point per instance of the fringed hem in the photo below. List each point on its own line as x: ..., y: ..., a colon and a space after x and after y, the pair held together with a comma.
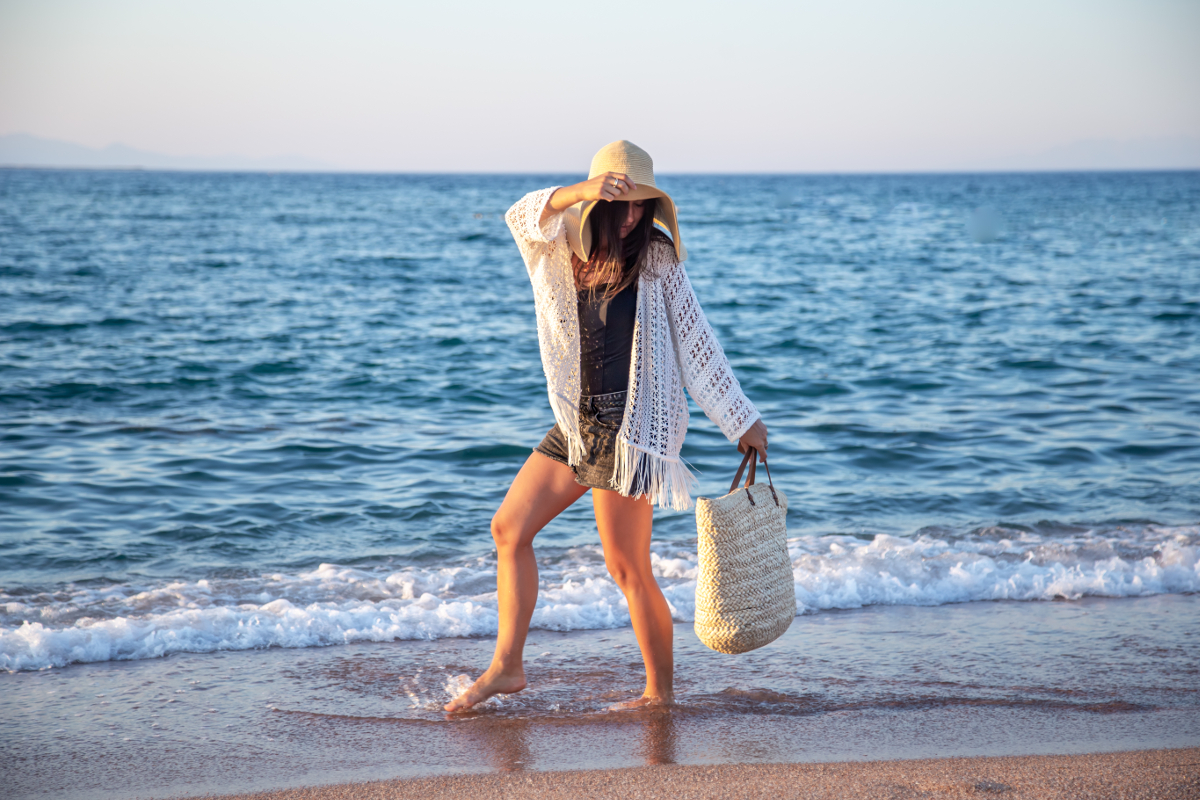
x: 667, y: 481
x: 566, y: 414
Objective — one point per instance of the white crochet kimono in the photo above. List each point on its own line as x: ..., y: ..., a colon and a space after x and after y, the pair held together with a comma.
x: 673, y: 346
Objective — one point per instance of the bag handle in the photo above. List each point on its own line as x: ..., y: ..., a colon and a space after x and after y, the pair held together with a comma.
x: 749, y: 478
x: 751, y: 458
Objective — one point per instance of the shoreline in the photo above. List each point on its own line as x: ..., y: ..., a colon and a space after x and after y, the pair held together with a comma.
x: 1152, y: 774
x: 977, y: 680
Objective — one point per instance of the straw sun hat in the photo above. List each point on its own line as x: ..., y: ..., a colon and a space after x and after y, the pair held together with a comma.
x: 629, y: 159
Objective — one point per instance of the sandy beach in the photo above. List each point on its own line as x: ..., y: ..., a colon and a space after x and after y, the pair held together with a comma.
x: 889, y: 693
x: 1151, y: 774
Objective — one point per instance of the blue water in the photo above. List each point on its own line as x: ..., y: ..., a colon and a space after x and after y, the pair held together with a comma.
x: 250, y: 410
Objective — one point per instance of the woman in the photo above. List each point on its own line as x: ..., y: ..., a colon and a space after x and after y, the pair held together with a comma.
x: 621, y: 333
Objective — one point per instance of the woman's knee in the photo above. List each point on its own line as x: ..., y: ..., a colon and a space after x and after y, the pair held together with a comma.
x: 629, y: 574
x: 508, y: 535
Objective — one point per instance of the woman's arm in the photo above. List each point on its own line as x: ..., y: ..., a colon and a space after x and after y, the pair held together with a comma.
x: 532, y: 237
x: 706, y: 372
x: 609, y: 186
x: 534, y: 219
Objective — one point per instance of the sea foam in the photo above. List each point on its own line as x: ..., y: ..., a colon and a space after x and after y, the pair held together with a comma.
x: 335, y: 604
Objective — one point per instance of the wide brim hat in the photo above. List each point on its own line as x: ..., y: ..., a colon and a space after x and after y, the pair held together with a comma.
x: 628, y: 159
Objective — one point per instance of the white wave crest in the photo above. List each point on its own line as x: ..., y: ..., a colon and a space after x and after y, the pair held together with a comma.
x: 334, y: 604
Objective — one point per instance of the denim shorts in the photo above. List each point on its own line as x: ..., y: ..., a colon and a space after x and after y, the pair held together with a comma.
x: 600, y: 417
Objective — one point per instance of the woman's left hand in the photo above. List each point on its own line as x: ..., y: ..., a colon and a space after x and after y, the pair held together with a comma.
x: 756, y: 437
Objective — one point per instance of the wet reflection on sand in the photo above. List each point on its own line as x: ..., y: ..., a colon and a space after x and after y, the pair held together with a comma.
x: 502, y: 744
x: 658, y: 739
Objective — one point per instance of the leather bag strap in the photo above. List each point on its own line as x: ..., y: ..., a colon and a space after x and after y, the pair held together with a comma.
x: 751, y: 458
x: 770, y: 482
x: 750, y: 451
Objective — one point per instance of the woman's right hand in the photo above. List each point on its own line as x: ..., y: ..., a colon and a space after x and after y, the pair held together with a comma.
x: 608, y: 186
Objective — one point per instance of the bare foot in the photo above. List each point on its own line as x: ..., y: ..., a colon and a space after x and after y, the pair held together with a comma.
x: 644, y: 701
x: 490, y: 683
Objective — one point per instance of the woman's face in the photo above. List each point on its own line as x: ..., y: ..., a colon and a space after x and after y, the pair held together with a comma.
x: 633, y: 217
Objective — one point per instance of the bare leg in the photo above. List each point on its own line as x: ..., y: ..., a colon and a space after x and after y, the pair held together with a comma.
x: 624, y: 525
x: 542, y: 490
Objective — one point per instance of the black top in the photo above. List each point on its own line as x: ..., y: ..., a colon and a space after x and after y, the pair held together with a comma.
x: 606, y: 340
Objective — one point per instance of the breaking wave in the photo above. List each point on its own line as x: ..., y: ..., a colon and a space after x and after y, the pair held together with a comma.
x: 334, y: 604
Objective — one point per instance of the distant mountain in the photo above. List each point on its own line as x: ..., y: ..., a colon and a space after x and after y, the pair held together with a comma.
x: 24, y: 150
x: 1180, y: 152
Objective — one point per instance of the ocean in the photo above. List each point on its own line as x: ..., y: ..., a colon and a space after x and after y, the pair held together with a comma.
x: 275, y: 413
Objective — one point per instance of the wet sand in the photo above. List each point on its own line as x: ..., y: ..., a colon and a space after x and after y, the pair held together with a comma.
x: 1150, y: 774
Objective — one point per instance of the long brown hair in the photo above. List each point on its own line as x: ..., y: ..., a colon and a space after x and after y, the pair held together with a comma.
x: 610, y: 253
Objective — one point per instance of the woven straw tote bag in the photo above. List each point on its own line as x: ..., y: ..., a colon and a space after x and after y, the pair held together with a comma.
x: 745, y: 596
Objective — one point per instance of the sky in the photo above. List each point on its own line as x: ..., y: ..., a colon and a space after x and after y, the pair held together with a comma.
x: 523, y: 86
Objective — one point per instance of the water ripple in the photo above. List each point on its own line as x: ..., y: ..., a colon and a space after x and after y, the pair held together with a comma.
x: 211, y: 373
